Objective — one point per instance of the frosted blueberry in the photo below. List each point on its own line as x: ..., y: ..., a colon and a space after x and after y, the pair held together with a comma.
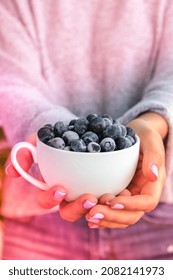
x: 130, y: 132
x: 123, y: 143
x: 133, y: 141
x: 97, y: 125
x: 78, y: 145
x: 81, y: 126
x: 123, y: 130
x: 45, y: 134
x: 90, y: 116
x: 93, y: 147
x: 107, y: 145
x: 112, y: 131
x: 60, y: 128
x: 57, y: 143
x: 69, y: 136
x: 90, y: 136
x: 106, y: 116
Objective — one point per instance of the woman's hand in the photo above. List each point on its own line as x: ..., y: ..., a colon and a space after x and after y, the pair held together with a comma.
x: 70, y: 211
x: 143, y: 193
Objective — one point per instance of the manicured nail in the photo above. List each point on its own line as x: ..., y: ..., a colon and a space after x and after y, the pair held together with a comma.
x: 155, y: 170
x: 92, y: 220
x: 88, y: 204
x: 59, y: 195
x: 94, y: 226
x: 118, y: 206
x: 6, y: 169
x: 108, y: 203
x: 98, y: 216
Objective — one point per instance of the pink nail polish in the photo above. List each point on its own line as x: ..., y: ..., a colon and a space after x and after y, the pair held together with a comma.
x: 92, y: 220
x: 118, y: 206
x: 88, y: 204
x: 58, y: 195
x: 94, y: 226
x: 98, y: 216
x: 155, y: 170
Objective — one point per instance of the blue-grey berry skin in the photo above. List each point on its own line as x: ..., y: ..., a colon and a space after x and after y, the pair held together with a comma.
x: 90, y: 136
x: 69, y: 136
x: 91, y: 116
x: 107, y: 145
x: 81, y: 126
x: 107, y: 121
x: 45, y: 134
x: 60, y: 128
x: 106, y: 116
x: 72, y: 122
x: 130, y: 131
x: 123, y: 130
x: 57, y: 143
x: 133, y: 141
x: 97, y: 125
x: 123, y: 143
x: 67, y: 148
x: 93, y: 147
x: 49, y: 125
x: 113, y: 131
x: 71, y: 127
x: 78, y: 145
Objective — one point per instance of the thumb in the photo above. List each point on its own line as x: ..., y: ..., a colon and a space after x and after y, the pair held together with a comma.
x: 153, y: 155
x: 51, y: 197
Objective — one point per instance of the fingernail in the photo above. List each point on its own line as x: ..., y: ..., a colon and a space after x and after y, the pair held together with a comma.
x: 88, y: 204
x: 92, y: 220
x: 94, y: 226
x: 155, y: 170
x: 59, y: 195
x: 6, y: 169
x: 108, y: 203
x: 118, y: 206
x: 98, y: 216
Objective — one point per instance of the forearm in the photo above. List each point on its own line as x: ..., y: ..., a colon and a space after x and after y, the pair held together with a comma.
x: 154, y: 121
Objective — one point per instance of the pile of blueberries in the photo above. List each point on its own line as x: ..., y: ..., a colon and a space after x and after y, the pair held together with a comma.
x: 92, y: 134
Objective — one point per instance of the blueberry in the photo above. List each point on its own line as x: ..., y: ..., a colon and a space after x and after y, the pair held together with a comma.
x: 108, y: 121
x: 91, y: 116
x: 130, y: 131
x: 67, y: 148
x: 78, y: 145
x: 69, y: 136
x: 72, y: 122
x: 123, y: 143
x: 49, y: 126
x: 57, y: 143
x: 106, y: 116
x: 112, y: 131
x: 133, y: 140
x: 97, y: 125
x: 93, y: 147
x: 107, y: 145
x: 45, y: 134
x: 81, y: 126
x: 60, y: 128
x: 90, y: 136
x: 123, y: 130
x: 71, y: 127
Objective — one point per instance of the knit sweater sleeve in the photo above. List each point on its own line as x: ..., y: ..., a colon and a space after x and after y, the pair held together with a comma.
x: 25, y: 102
x: 158, y: 94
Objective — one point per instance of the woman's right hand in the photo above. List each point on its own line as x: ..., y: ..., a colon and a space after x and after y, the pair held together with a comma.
x: 70, y: 211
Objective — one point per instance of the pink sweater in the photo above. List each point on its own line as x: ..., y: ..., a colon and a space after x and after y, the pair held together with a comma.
x: 66, y: 58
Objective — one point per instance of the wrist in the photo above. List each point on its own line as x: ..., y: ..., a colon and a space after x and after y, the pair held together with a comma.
x: 150, y: 121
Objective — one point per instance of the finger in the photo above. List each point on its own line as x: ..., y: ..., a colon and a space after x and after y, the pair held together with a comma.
x: 52, y: 197
x: 153, y: 154
x: 106, y: 225
x: 107, y: 198
x: 102, y: 215
x: 74, y: 210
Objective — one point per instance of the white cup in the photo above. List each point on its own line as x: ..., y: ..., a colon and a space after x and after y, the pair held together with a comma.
x: 80, y: 173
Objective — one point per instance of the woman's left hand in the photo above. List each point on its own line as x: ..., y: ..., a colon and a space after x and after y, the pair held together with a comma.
x: 143, y: 193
